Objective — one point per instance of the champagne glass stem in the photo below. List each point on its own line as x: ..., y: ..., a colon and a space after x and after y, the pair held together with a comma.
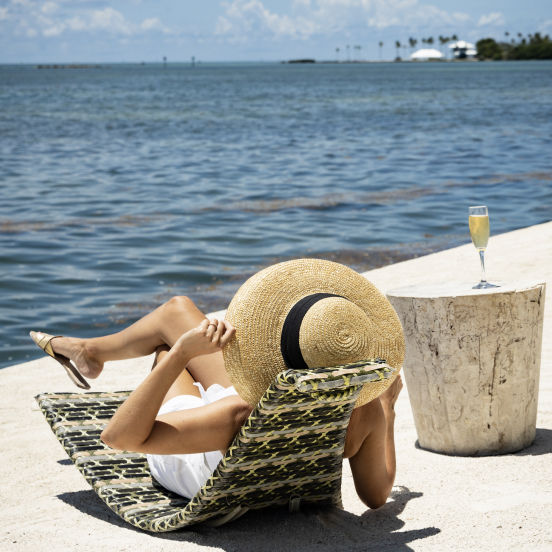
x: 482, y: 259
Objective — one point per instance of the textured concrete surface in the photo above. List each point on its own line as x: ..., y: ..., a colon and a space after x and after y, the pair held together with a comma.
x: 439, y: 502
x: 472, y: 364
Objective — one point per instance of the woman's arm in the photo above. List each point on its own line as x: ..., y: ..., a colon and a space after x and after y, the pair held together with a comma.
x: 374, y: 464
x: 135, y: 426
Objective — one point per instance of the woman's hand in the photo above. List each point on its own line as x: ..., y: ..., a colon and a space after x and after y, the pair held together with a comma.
x: 209, y: 337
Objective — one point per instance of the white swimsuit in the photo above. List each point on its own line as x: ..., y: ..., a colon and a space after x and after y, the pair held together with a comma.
x: 185, y: 474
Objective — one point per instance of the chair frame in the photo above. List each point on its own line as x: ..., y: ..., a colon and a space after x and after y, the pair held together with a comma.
x: 289, y: 451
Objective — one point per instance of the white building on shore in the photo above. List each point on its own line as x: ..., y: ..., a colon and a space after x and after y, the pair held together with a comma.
x: 426, y: 54
x: 463, y: 50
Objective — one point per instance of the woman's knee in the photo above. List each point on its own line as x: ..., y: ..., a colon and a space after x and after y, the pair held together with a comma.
x: 179, y: 304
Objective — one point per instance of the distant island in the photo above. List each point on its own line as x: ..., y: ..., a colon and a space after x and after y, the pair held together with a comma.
x: 70, y: 66
x: 530, y: 47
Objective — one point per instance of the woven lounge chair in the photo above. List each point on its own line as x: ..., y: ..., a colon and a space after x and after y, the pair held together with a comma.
x: 289, y: 450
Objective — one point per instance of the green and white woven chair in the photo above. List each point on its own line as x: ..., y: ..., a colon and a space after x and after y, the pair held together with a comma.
x: 289, y: 450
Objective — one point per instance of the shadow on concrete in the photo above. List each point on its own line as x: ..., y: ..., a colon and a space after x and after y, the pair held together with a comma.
x: 314, y: 528
x: 417, y: 446
x: 541, y: 445
x: 88, y: 502
x: 65, y: 462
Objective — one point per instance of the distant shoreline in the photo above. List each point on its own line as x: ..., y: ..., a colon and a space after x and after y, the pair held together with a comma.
x: 288, y: 62
x: 172, y: 64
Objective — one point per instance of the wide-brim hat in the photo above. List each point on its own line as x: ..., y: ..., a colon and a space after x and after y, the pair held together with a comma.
x: 309, y: 313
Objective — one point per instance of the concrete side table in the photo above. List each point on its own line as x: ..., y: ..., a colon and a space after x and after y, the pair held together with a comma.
x: 472, y: 364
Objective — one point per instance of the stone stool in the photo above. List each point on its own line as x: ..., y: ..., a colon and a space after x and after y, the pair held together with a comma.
x: 472, y: 364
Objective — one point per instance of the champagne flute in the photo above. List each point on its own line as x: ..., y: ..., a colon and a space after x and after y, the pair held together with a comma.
x: 479, y: 231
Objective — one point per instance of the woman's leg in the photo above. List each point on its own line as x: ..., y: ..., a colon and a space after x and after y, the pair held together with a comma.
x: 370, y: 447
x: 161, y: 327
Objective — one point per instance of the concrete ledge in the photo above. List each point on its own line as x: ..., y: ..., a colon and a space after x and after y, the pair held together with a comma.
x: 439, y: 502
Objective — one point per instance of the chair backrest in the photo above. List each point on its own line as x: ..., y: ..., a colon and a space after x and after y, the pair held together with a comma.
x: 290, y: 448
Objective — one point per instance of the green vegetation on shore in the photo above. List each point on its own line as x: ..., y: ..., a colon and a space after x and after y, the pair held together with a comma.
x: 533, y: 47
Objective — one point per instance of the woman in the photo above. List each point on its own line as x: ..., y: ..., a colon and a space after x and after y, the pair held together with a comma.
x: 186, y: 413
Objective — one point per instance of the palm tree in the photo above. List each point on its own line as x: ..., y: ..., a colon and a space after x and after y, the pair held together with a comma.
x: 442, y: 42
x: 447, y: 40
x: 453, y: 38
x: 380, y: 48
x: 397, y: 46
x: 348, y: 56
x: 412, y: 42
x: 337, y: 54
x: 430, y: 40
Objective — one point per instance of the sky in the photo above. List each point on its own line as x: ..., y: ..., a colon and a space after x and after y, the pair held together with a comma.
x: 65, y: 31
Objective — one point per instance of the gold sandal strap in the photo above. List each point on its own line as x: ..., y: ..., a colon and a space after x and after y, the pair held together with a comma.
x: 44, y: 342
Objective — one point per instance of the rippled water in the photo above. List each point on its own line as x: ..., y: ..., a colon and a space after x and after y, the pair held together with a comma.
x: 124, y: 185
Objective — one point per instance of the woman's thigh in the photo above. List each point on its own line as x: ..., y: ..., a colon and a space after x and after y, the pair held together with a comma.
x: 207, y: 374
x: 179, y: 315
x: 184, y: 384
x: 209, y: 369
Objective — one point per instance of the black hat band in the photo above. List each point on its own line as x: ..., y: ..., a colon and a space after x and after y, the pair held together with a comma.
x: 289, y: 343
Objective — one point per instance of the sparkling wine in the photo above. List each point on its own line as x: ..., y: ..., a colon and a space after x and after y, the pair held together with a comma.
x: 479, y: 230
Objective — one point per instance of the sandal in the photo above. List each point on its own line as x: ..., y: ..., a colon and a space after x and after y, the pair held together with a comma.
x: 43, y: 341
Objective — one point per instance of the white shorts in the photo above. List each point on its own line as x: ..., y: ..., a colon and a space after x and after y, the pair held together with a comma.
x: 185, y: 474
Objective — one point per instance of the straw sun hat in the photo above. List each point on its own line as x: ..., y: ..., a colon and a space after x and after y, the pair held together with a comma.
x: 305, y: 314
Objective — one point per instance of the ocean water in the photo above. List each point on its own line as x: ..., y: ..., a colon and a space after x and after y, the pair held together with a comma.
x: 124, y: 185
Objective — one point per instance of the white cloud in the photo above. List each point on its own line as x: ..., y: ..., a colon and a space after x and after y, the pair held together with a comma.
x: 76, y: 24
x: 56, y: 30
x: 23, y: 3
x: 49, y: 7
x: 300, y: 4
x: 459, y: 16
x: 110, y: 20
x: 250, y: 17
x: 493, y: 19
x: 223, y: 26
x: 51, y: 20
x: 246, y: 18
x: 153, y: 24
x: 409, y: 14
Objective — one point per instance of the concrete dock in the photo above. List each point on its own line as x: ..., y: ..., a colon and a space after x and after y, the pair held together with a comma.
x: 439, y: 502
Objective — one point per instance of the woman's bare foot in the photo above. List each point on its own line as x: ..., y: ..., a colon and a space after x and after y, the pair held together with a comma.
x: 389, y: 397
x: 81, y: 352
